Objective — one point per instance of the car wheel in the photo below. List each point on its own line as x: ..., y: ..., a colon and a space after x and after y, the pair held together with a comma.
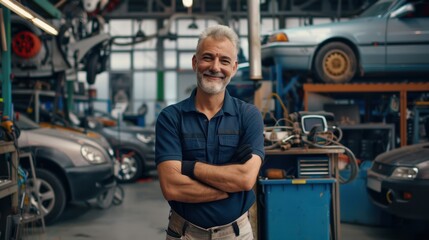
x: 51, y: 193
x: 131, y: 167
x: 335, y: 63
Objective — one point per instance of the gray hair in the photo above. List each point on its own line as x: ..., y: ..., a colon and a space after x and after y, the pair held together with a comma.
x: 219, y: 32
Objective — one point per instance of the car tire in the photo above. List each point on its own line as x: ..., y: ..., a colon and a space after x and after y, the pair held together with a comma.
x: 335, y: 62
x: 131, y: 167
x: 51, y: 192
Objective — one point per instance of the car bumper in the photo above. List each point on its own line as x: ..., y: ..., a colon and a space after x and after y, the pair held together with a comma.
x: 88, y: 182
x: 388, y: 194
x: 297, y: 58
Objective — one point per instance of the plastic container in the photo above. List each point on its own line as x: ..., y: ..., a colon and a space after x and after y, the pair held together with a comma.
x: 296, y: 209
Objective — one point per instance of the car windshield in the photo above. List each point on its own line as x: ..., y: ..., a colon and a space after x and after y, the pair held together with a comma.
x: 377, y: 9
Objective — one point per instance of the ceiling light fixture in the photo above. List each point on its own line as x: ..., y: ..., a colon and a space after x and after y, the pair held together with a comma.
x: 45, y: 26
x: 187, y: 3
x: 29, y: 15
x: 193, y: 24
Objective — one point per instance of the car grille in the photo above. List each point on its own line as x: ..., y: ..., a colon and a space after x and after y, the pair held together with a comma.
x: 382, y: 169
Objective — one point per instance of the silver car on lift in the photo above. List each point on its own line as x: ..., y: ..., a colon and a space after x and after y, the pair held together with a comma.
x: 391, y: 36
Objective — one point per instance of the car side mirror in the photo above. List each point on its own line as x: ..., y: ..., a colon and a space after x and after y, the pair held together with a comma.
x: 403, y: 11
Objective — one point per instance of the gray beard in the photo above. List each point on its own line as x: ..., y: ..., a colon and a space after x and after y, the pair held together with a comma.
x: 211, y: 88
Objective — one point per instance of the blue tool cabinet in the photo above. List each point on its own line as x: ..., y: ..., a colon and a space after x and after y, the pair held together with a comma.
x: 300, y: 206
x: 297, y: 208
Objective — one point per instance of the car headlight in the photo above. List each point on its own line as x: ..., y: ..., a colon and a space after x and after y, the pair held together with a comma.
x: 278, y: 37
x: 405, y: 173
x: 92, y: 154
x: 145, y: 138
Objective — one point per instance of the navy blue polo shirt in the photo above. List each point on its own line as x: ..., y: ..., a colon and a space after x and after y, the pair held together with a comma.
x: 183, y: 133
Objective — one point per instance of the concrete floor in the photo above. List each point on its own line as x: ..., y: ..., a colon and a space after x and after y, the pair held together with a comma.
x: 143, y: 215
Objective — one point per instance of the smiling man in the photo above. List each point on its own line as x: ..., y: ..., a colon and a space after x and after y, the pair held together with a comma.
x: 209, y: 148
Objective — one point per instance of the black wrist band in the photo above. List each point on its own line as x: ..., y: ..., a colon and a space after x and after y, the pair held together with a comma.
x: 188, y: 168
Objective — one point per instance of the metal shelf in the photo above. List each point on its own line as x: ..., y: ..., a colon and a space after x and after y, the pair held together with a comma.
x: 10, y: 188
x: 37, y: 94
x: 401, y: 88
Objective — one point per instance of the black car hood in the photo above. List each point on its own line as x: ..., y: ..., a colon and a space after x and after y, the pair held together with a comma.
x: 408, y: 155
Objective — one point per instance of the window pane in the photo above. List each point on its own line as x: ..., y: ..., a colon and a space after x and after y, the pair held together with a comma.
x: 120, y: 27
x: 294, y: 22
x: 269, y: 24
x: 120, y: 61
x: 102, y: 85
x: 148, y: 29
x: 145, y: 59
x: 170, y: 43
x: 81, y: 76
x: 244, y: 45
x: 170, y: 60
x: 146, y: 44
x: 145, y: 86
x: 121, y: 85
x: 187, y: 43
x: 147, y: 26
x: 321, y: 21
x: 170, y: 85
x: 185, y: 61
x: 210, y: 22
x: 173, y: 26
x: 102, y: 106
x: 242, y: 24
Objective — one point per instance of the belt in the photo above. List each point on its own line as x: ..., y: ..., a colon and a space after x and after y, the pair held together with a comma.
x: 185, y: 225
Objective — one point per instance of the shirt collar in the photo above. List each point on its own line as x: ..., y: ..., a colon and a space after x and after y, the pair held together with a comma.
x: 228, y: 105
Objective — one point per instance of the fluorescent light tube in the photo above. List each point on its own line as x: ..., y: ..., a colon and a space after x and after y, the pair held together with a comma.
x: 29, y: 15
x: 45, y: 26
x: 17, y: 8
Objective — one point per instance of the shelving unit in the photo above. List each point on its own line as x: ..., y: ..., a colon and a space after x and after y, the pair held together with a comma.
x: 402, y: 88
x: 11, y: 187
x: 369, y: 133
x: 37, y: 96
x: 9, y: 184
